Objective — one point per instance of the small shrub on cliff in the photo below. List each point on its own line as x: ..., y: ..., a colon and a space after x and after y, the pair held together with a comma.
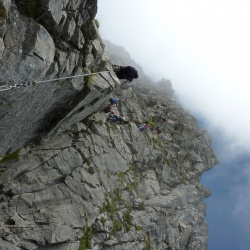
x: 97, y: 23
x: 3, y: 13
x: 151, y: 121
x: 127, y: 219
x: 100, y: 122
x: 117, y: 226
x: 88, y: 160
x: 10, y: 157
x: 85, y: 241
x: 148, y: 243
x: 28, y: 7
x: 86, y: 33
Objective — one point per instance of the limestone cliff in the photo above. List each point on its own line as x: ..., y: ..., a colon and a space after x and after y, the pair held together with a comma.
x: 70, y: 179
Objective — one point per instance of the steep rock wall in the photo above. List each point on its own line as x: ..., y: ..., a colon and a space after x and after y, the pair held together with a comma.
x: 56, y: 39
x: 80, y: 181
x: 110, y: 186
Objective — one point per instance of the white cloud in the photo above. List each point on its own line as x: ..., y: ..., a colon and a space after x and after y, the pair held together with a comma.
x: 201, y: 46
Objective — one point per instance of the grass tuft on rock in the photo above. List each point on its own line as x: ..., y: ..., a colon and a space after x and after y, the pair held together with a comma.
x: 10, y: 157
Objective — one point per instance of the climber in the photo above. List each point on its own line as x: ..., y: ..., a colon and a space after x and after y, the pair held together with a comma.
x: 164, y: 119
x: 113, y: 102
x: 116, y: 118
x: 143, y: 128
x: 157, y: 130
x: 108, y: 109
x: 165, y: 104
x: 125, y: 72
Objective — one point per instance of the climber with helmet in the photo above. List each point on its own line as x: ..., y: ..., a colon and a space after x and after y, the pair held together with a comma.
x: 108, y: 109
x: 116, y: 118
x: 164, y: 119
x: 113, y: 102
x: 157, y: 130
x: 143, y: 128
x: 125, y: 72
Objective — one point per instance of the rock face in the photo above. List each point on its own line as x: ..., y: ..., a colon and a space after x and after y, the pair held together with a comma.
x: 63, y: 42
x: 80, y: 181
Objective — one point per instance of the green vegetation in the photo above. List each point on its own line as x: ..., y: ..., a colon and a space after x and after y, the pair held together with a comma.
x: 118, y: 195
x: 3, y: 13
x: 122, y: 176
x: 109, y: 127
x: 89, y: 79
x: 86, y: 32
x: 88, y: 161
x: 130, y: 188
x: 97, y: 23
x: 103, y: 220
x: 117, y: 226
x: 148, y: 243
x: 183, y: 181
x: 134, y: 96
x: 110, y: 207
x: 133, y: 111
x: 138, y: 228
x: 127, y: 219
x: 100, y: 122
x: 169, y: 162
x: 156, y: 141
x: 101, y: 183
x: 107, y: 173
x: 28, y: 7
x: 10, y: 157
x: 85, y: 241
x: 90, y: 170
x: 141, y: 206
x: 151, y: 121
x: 113, y: 127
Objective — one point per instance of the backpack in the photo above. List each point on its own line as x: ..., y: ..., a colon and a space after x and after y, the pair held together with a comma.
x: 113, y: 101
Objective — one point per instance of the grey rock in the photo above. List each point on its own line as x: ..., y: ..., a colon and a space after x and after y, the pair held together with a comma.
x: 28, y: 245
x: 68, y: 29
x: 62, y: 246
x: 5, y: 245
x: 78, y: 38
x: 1, y: 46
x: 5, y: 4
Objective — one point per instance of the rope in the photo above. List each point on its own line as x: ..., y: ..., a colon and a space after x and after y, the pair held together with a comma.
x: 11, y: 77
x: 8, y: 87
x: 68, y: 77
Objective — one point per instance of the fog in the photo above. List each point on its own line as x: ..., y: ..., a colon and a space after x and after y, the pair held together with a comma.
x: 203, y: 48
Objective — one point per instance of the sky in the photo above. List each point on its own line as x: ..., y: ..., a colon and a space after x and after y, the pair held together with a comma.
x: 203, y: 48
